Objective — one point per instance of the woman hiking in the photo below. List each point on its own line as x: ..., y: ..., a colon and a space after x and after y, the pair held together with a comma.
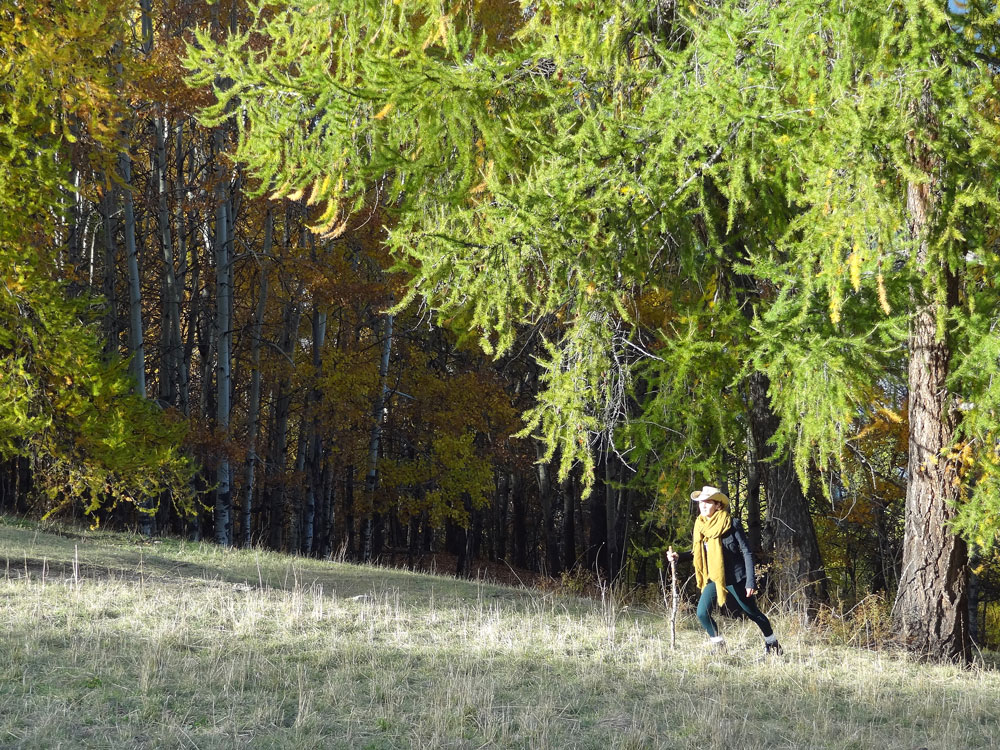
x: 723, y: 563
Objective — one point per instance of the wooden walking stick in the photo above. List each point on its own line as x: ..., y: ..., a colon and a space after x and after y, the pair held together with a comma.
x: 673, y: 597
x: 673, y: 604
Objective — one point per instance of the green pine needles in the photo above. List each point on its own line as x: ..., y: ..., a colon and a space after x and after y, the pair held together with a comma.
x: 680, y: 193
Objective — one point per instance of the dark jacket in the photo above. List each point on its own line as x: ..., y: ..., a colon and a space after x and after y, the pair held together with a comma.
x: 736, y: 557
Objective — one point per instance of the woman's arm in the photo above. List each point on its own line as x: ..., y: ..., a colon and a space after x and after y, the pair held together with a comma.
x: 679, y: 556
x: 744, y: 544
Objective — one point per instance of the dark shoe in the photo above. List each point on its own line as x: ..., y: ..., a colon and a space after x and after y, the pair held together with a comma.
x: 717, y: 647
x: 773, y: 649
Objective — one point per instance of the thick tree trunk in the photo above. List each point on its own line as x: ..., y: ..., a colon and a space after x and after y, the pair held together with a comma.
x: 789, y: 531
x: 931, y: 610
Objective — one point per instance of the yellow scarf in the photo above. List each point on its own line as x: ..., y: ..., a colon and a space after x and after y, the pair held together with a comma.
x: 707, y: 532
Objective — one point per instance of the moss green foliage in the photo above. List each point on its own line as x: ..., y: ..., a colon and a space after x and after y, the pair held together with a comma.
x: 678, y: 194
x: 63, y: 404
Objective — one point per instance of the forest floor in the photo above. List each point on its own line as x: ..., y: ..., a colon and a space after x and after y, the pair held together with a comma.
x: 111, y: 641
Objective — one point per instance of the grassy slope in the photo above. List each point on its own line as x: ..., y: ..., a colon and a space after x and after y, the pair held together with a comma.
x: 175, y: 644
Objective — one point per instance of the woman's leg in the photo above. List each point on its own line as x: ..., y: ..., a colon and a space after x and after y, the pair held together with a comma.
x: 750, y: 607
x: 705, y: 610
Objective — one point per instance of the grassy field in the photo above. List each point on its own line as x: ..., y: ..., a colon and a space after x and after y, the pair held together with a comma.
x: 109, y: 641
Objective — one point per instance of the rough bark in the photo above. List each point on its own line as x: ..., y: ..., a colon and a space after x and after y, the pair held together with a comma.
x: 931, y: 610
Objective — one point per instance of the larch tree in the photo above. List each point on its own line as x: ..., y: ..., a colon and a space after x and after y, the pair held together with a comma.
x: 532, y: 183
x: 806, y: 191
x: 881, y: 122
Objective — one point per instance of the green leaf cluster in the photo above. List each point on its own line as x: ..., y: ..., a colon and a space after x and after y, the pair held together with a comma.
x: 746, y: 161
x: 64, y: 405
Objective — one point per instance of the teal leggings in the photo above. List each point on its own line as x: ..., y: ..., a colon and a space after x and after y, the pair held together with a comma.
x: 747, y: 604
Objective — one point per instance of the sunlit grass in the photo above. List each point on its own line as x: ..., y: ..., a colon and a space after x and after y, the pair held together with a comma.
x: 110, y: 642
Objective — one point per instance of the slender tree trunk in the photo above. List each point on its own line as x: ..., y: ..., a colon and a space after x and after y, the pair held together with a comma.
x: 612, y: 499
x: 183, y: 358
x: 171, y: 362
x: 597, y: 540
x: 135, y: 338
x: 371, y: 481
x: 349, y: 520
x: 279, y: 433
x: 223, y: 339
x: 519, y: 521
x: 501, y: 509
x: 568, y: 525
x: 253, y: 415
x: 545, y: 492
x: 753, y: 500
x: 109, y: 200
x: 314, y: 463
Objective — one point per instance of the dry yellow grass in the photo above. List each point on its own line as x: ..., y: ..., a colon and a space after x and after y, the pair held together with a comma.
x: 111, y: 642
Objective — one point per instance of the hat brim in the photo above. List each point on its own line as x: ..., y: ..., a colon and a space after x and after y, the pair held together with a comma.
x: 718, y: 497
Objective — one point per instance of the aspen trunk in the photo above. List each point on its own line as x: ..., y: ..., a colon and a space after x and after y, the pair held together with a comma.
x: 253, y: 416
x: 171, y: 360
x: 137, y: 366
x: 183, y: 352
x: 223, y: 343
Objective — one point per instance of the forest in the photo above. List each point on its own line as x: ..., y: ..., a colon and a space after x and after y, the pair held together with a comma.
x: 502, y: 283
